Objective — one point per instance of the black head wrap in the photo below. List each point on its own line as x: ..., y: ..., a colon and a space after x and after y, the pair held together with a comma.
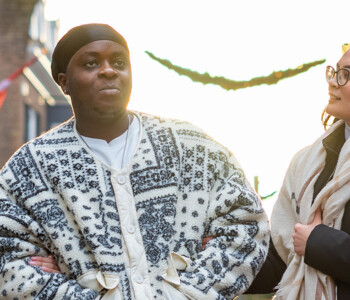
x: 78, y: 37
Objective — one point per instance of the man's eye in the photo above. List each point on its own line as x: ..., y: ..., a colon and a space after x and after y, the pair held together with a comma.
x: 90, y: 64
x: 119, y: 63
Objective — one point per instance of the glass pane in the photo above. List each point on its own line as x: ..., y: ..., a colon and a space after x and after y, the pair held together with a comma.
x: 343, y: 75
x: 329, y: 73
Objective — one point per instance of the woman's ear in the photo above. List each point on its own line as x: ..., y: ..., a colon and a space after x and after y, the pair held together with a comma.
x: 63, y: 82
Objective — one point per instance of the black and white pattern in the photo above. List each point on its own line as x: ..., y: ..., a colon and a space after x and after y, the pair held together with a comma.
x: 156, y: 223
x: 26, y: 180
x: 160, y: 161
x: 56, y: 197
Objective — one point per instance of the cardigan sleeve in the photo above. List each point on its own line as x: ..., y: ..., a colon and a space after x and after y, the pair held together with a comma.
x: 269, y: 275
x: 20, y: 238
x: 236, y: 220
x: 328, y: 250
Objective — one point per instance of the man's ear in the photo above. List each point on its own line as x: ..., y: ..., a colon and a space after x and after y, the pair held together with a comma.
x: 63, y: 82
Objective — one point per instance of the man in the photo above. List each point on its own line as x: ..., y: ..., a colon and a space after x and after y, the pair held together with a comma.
x: 122, y: 200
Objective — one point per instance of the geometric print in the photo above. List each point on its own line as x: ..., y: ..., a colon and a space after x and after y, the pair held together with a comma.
x: 69, y: 169
x: 185, y: 186
x: 27, y: 180
x: 161, y: 156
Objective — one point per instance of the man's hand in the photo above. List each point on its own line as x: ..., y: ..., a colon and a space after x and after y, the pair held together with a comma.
x: 47, y: 264
x: 302, y: 232
x: 205, y: 240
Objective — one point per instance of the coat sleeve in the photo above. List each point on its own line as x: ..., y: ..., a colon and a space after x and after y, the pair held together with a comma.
x: 20, y: 238
x: 328, y: 250
x: 236, y: 220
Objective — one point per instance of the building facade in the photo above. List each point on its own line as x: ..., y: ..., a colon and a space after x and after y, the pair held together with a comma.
x: 39, y: 103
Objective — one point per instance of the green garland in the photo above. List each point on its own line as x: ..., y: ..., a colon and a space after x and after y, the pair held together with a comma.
x: 229, y: 84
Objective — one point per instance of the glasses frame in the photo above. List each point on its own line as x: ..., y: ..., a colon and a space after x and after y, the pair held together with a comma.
x: 336, y: 73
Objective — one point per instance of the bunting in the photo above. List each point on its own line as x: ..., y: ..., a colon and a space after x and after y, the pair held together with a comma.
x: 5, y: 83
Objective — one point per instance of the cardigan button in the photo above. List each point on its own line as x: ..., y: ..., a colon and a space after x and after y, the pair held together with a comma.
x: 131, y: 229
x: 139, y: 278
x: 121, y: 179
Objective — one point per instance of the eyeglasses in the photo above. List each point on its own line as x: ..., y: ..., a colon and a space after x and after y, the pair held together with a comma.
x: 342, y: 75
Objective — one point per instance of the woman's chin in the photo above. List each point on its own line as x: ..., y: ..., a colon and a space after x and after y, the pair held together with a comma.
x: 333, y: 111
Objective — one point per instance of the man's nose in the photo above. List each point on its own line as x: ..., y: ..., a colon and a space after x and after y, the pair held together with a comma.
x: 107, y: 70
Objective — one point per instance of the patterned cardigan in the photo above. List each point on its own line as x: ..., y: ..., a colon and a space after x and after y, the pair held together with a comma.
x: 56, y: 197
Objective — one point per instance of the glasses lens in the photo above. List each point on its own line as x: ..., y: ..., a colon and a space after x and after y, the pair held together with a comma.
x: 343, y: 76
x: 329, y: 73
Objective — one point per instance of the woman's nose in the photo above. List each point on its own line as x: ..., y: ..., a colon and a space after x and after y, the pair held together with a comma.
x: 333, y: 82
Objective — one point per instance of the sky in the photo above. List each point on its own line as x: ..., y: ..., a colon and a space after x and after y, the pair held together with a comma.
x: 263, y: 126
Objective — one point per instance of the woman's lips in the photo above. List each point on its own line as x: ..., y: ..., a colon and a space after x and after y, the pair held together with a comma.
x: 333, y: 97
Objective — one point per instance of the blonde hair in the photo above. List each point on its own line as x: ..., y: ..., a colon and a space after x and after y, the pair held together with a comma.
x: 327, y: 119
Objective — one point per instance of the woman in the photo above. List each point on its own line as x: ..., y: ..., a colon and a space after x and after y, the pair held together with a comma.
x: 312, y: 261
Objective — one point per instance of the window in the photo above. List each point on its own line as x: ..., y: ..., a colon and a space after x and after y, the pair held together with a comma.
x: 32, y: 129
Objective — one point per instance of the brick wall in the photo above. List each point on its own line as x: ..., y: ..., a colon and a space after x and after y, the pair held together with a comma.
x: 14, y: 22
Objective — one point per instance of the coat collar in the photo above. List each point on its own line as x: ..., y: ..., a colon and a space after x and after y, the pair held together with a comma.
x: 335, y: 141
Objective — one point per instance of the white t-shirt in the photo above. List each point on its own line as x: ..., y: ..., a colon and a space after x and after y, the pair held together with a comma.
x: 112, y: 153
